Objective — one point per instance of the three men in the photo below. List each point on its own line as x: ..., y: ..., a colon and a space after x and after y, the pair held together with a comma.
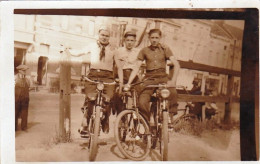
x: 128, y: 60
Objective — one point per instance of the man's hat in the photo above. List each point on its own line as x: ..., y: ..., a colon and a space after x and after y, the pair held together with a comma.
x: 22, y: 67
x: 104, y: 27
x: 130, y: 33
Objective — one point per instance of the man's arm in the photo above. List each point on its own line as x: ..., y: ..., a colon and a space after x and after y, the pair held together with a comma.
x: 134, y: 72
x: 172, y: 82
x: 119, y: 65
x: 76, y: 53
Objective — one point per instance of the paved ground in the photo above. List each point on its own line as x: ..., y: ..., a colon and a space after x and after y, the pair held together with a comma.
x: 38, y: 143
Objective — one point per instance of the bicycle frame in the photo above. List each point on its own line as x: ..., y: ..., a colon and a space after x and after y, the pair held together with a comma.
x: 96, y: 117
x: 131, y: 124
x: 161, y: 119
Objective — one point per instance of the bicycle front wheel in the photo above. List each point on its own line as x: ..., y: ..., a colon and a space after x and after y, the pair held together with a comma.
x: 132, y: 135
x: 164, y: 137
x: 94, y: 135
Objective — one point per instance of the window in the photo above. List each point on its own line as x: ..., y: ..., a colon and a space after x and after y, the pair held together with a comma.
x: 225, y: 47
x: 134, y: 21
x: 91, y: 28
x: 20, y: 21
x: 46, y: 20
x: 78, y: 28
x: 19, y: 57
x: 114, y: 30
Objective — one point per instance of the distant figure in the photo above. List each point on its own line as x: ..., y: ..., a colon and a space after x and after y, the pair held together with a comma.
x: 22, y: 85
x: 210, y: 108
x: 196, y: 90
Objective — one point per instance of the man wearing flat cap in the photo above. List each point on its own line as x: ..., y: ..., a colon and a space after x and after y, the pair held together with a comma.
x: 125, y: 59
x: 22, y: 85
x: 100, y: 57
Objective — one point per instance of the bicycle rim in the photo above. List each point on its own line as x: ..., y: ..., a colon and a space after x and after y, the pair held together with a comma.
x: 133, y: 143
x: 184, y: 121
x: 94, y: 135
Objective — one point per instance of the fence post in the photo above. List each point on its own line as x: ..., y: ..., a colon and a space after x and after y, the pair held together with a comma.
x: 227, y: 114
x: 65, y: 90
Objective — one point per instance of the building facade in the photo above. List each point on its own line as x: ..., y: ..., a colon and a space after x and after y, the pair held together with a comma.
x: 38, y: 39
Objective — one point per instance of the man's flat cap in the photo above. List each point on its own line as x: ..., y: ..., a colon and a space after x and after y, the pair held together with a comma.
x: 130, y: 33
x: 22, y: 67
x: 104, y: 27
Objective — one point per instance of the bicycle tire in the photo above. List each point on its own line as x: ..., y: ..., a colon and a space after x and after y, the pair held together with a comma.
x: 94, y: 136
x: 125, y: 113
x: 165, y: 137
x: 187, y: 119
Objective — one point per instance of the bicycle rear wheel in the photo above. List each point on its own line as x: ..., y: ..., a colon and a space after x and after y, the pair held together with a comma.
x: 132, y: 135
x: 164, y: 137
x: 94, y: 135
x: 185, y: 121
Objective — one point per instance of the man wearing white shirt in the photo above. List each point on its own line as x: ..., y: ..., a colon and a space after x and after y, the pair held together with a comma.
x: 125, y: 59
x: 100, y: 56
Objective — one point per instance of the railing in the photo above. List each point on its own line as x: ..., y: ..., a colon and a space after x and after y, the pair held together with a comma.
x: 227, y: 99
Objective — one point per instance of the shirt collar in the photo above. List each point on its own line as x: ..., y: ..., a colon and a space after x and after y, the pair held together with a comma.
x: 154, y: 47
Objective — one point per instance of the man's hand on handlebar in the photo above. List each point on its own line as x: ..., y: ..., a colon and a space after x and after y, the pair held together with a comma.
x: 127, y: 87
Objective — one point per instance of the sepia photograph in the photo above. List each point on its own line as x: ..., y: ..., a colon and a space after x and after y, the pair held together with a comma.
x: 146, y: 85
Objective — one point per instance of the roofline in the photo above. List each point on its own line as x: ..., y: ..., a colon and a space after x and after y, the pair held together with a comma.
x: 225, y: 31
x: 166, y: 21
x: 209, y: 23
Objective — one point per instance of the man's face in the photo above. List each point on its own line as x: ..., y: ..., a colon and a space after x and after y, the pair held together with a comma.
x: 103, y: 37
x: 155, y: 39
x: 130, y: 42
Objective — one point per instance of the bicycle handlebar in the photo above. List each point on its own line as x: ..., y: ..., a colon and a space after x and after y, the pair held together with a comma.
x: 98, y: 81
x: 156, y: 86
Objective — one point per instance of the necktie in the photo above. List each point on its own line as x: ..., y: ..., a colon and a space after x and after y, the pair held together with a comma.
x: 102, y: 53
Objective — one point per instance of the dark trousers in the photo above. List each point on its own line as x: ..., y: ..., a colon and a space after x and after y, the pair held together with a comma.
x: 118, y: 104
x: 21, y: 109
x: 146, y: 93
x: 90, y: 89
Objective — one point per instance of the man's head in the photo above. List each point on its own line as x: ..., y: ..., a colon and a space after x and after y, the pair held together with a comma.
x: 155, y: 36
x: 103, y: 35
x: 129, y: 39
x: 22, y: 69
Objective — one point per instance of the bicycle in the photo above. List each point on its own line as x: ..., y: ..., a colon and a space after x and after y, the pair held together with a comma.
x: 131, y: 129
x: 96, y: 116
x: 160, y: 113
x: 129, y: 121
x: 186, y: 117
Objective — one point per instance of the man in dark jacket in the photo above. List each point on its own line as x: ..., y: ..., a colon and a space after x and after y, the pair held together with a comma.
x: 22, y: 85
